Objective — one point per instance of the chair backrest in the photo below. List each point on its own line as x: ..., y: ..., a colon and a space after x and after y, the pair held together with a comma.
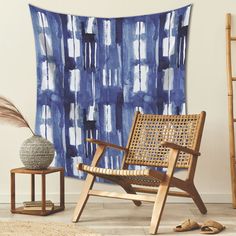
x: 149, y: 131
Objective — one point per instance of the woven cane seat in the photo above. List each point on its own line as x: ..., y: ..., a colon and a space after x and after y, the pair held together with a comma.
x: 144, y: 181
x: 134, y: 177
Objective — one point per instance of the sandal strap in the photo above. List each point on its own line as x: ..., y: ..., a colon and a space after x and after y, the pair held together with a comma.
x: 213, y: 224
x: 188, y: 225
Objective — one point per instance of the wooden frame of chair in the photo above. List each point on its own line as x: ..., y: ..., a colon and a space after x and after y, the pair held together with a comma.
x: 166, y: 180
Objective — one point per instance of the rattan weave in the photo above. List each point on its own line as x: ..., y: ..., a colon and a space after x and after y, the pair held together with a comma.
x: 151, y: 130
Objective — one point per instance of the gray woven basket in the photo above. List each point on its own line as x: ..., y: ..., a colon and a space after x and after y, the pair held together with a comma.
x: 37, y: 153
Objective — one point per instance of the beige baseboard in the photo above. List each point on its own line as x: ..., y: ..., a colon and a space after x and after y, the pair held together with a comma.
x: 73, y: 198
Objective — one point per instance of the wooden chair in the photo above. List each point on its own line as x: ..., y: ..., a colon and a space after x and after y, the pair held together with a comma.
x: 170, y: 141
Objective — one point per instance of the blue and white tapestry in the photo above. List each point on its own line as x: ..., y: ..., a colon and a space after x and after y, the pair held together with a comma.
x: 94, y: 73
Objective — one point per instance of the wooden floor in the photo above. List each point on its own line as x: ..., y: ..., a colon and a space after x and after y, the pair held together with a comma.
x: 123, y: 218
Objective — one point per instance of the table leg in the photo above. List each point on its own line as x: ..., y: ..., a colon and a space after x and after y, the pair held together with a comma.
x: 32, y: 187
x: 62, y: 189
x: 43, y: 194
x: 13, y: 204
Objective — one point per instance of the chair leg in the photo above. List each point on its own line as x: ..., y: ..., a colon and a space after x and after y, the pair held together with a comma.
x: 198, y: 200
x: 162, y: 192
x: 87, y: 185
x: 83, y: 197
x: 158, y: 207
x: 129, y: 189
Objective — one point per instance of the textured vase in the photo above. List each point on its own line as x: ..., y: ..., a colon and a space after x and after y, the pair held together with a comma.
x: 37, y: 153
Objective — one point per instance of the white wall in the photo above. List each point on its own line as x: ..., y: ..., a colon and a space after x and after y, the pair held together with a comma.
x: 206, y: 83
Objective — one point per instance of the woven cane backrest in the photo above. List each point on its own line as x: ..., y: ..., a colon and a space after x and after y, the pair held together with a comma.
x: 150, y: 130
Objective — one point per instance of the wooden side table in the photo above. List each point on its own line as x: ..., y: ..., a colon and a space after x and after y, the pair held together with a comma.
x: 43, y: 174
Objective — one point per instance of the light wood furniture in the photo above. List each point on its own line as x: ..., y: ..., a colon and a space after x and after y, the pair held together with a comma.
x: 43, y: 174
x: 170, y: 141
x: 232, y: 120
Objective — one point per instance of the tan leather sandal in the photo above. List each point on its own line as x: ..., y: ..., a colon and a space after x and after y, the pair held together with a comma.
x: 211, y: 227
x: 187, y: 225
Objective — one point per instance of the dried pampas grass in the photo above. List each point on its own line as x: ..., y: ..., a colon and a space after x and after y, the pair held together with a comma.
x: 9, y: 113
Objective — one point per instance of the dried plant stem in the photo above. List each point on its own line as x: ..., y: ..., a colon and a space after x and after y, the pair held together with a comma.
x: 9, y: 113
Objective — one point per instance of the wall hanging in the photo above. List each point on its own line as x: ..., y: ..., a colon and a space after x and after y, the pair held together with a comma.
x: 94, y: 73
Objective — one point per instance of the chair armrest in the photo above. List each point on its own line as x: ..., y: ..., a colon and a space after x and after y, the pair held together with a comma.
x: 180, y: 148
x: 102, y: 143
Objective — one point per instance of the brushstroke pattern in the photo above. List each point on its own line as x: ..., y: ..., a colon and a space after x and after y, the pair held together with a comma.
x: 94, y: 73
